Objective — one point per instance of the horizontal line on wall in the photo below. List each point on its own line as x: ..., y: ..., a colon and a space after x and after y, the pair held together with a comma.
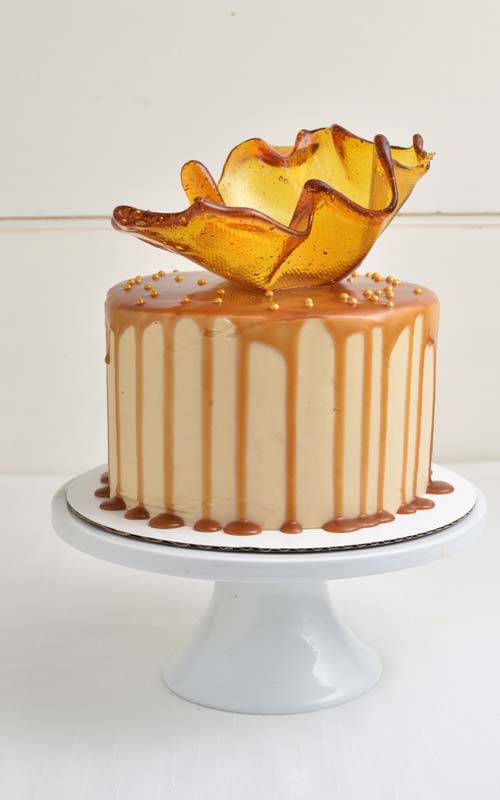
x: 412, y: 219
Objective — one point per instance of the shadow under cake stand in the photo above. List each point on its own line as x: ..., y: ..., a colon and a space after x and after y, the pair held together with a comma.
x: 270, y: 641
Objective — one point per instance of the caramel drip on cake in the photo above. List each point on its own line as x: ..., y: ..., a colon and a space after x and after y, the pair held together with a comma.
x: 366, y: 418
x: 207, y: 400
x: 291, y: 525
x: 419, y: 413
x: 241, y: 437
x: 139, y: 388
x: 168, y: 414
x: 407, y: 413
x: 239, y: 322
x: 417, y: 504
x: 118, y: 484
x: 339, y: 426
x: 439, y: 487
x: 387, y: 345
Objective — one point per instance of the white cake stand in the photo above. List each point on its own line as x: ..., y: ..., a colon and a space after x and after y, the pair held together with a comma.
x: 269, y: 641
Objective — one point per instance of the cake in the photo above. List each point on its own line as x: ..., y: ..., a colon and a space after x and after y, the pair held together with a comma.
x: 286, y: 391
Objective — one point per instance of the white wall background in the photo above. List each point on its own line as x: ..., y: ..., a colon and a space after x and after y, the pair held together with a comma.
x: 103, y: 101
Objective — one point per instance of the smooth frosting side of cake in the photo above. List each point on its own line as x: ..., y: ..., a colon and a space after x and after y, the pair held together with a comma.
x: 310, y: 408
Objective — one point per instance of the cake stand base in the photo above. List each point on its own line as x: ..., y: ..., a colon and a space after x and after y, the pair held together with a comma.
x: 269, y: 641
x: 266, y: 648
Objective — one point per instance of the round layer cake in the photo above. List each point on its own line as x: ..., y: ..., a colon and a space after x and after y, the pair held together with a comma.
x: 230, y: 408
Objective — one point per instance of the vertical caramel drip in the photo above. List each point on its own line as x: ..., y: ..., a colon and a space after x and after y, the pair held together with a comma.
x: 241, y: 423
x: 291, y: 428
x: 139, y: 393
x: 419, y: 410
x: 366, y: 417
x: 168, y: 415
x: 339, y: 444
x: 431, y: 448
x: 117, y: 415
x: 406, y: 429
x: 384, y: 396
x: 206, y: 420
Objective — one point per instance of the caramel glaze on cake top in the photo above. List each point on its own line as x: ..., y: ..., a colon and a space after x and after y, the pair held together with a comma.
x: 372, y: 301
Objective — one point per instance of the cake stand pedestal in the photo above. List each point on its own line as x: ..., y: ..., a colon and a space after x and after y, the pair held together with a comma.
x: 269, y: 641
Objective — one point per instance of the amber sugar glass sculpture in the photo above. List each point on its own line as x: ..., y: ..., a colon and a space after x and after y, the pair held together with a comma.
x: 287, y: 217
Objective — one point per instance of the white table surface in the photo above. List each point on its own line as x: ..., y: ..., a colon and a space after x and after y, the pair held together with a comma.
x: 84, y: 713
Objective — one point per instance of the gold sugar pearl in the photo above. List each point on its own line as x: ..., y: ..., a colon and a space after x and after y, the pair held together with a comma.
x: 140, y: 301
x: 269, y: 293
x: 154, y: 293
x: 368, y: 274
x: 221, y: 291
x: 179, y: 278
x: 161, y: 273
x: 138, y: 279
x: 418, y: 290
x: 389, y: 294
x: 373, y: 298
x: 352, y: 301
x: 377, y: 276
x: 368, y: 293
x: 127, y: 288
x: 186, y: 300
x: 155, y: 276
x: 147, y: 286
x: 389, y: 279
x: 351, y: 279
x: 308, y: 302
x: 377, y: 292
x: 355, y: 274
x: 390, y: 304
x: 274, y: 307
x: 200, y: 281
x: 396, y: 282
x: 344, y: 297
x: 218, y: 301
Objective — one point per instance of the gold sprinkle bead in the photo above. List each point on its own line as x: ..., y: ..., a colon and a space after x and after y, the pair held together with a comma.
x: 377, y: 276
x: 179, y: 278
x: 128, y: 287
x: 138, y: 279
x: 174, y: 270
x: 355, y: 274
x: 154, y: 293
x: 308, y: 302
x: 269, y: 293
x: 140, y: 301
x: 155, y: 276
x: 377, y: 292
x: 352, y: 301
x: 221, y: 291
x: 390, y: 304
x: 218, y: 301
x: 147, y: 286
x: 396, y: 282
x: 161, y: 273
x: 418, y: 290
x: 389, y: 279
x: 368, y: 293
x: 350, y: 279
x: 344, y: 297
x: 274, y: 307
x: 368, y: 274
x: 200, y: 281
x: 186, y: 299
x: 389, y: 294
x: 373, y: 298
